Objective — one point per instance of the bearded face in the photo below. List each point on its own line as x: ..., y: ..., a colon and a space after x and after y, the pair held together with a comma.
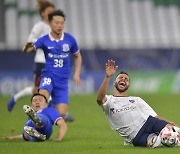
x: 122, y: 83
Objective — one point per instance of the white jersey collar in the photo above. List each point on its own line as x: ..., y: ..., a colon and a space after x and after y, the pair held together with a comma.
x: 53, y: 39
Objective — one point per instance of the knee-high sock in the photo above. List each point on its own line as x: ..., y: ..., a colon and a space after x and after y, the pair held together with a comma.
x: 25, y: 92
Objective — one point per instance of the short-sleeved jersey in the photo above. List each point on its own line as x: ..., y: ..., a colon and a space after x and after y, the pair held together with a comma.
x: 127, y: 115
x: 39, y: 29
x: 51, y: 113
x: 57, y: 54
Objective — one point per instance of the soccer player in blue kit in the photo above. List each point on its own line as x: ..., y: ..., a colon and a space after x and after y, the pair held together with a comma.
x: 41, y: 119
x: 58, y: 47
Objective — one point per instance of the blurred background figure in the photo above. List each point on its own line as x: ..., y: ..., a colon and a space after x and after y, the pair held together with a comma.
x: 142, y: 36
x: 41, y: 28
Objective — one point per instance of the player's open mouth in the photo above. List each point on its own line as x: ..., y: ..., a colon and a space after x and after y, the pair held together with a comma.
x: 122, y: 84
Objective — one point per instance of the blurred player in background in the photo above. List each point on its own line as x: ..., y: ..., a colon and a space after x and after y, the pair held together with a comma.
x: 58, y: 46
x: 131, y: 117
x: 41, y: 28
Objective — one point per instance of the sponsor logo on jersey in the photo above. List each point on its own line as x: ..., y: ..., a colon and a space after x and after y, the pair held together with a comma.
x: 65, y: 47
x: 128, y: 108
x: 64, y: 55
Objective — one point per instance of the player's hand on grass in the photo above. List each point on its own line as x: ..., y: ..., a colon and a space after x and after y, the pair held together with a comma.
x: 57, y: 140
x: 12, y: 137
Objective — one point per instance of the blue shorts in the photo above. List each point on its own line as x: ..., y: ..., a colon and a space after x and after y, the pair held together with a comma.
x: 57, y: 88
x: 47, y: 128
x: 152, y: 125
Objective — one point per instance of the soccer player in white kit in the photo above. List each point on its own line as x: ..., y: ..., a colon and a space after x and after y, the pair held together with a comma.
x: 41, y: 28
x: 131, y: 117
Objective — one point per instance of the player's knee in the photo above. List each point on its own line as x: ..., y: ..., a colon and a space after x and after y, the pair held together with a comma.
x: 35, y: 90
x: 63, y: 114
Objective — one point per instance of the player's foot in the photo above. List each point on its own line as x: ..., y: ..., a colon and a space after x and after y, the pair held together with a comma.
x: 32, y: 114
x: 34, y: 133
x: 156, y: 142
x: 11, y: 104
x: 69, y: 118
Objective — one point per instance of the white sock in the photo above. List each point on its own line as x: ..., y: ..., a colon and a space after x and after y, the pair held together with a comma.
x: 25, y: 92
x: 154, y: 141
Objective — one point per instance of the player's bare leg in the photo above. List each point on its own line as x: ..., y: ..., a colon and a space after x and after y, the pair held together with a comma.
x: 62, y: 109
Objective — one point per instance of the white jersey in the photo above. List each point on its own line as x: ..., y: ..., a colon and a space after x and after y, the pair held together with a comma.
x: 39, y: 29
x: 127, y: 115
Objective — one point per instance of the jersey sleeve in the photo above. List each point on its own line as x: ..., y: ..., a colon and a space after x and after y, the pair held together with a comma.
x: 74, y: 47
x: 144, y: 107
x: 34, y: 34
x: 53, y: 115
x: 105, y: 104
x: 39, y: 43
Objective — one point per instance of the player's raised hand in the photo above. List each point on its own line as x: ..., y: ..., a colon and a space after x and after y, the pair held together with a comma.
x: 110, y: 68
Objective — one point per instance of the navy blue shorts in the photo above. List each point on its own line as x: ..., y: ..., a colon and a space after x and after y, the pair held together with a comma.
x: 37, y: 73
x: 152, y: 125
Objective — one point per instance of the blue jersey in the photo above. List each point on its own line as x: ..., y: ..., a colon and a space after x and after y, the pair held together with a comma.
x: 48, y: 117
x: 51, y: 113
x: 57, y: 53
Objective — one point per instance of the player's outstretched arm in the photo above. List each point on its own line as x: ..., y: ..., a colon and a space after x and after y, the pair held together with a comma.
x: 110, y: 69
x: 29, y: 47
x: 62, y: 131
x: 170, y: 122
x: 78, y: 62
x: 16, y: 137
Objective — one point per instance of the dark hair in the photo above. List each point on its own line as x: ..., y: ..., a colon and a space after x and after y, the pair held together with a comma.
x: 38, y: 94
x: 56, y: 13
x: 122, y: 72
x: 42, y: 5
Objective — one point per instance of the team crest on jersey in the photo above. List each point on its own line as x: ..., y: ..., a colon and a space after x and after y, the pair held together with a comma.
x: 65, y: 47
x: 50, y: 55
x: 132, y: 101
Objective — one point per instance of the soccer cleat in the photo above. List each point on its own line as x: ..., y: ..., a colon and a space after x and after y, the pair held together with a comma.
x: 34, y: 133
x: 32, y: 115
x: 68, y: 118
x: 11, y: 104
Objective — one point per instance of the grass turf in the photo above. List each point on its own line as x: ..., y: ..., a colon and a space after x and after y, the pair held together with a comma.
x: 88, y: 134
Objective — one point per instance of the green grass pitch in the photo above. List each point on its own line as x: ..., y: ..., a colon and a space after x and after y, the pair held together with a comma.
x: 88, y: 134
